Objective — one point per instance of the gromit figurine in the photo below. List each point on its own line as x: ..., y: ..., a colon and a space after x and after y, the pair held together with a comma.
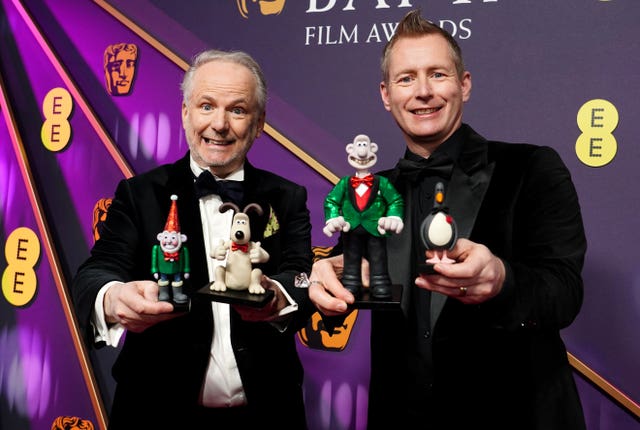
x: 170, y: 259
x: 365, y: 208
x: 241, y: 254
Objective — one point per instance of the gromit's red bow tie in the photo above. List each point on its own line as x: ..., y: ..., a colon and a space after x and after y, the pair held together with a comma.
x: 367, y: 180
x: 238, y: 247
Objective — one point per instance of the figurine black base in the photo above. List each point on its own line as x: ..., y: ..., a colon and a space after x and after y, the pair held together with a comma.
x: 365, y: 301
x: 181, y: 307
x: 236, y: 297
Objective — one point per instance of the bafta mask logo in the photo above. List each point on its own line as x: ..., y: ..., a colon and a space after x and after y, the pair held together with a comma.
x: 267, y: 7
x: 120, y: 61
x: 316, y: 336
x: 71, y: 423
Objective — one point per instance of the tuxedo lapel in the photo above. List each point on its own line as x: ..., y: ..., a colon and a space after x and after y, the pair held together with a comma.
x: 180, y: 182
x: 257, y: 190
x: 466, y: 190
x: 464, y: 197
x: 399, y: 250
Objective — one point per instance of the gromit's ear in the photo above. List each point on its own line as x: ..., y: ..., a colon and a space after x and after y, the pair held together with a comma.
x: 229, y: 205
x: 253, y: 206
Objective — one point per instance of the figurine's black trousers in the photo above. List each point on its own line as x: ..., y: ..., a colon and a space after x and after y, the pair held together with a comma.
x: 359, y: 243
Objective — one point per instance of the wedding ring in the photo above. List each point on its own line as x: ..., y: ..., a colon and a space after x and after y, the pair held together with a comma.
x: 463, y: 291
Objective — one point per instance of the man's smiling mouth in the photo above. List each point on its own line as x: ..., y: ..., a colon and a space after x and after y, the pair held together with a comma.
x: 209, y: 141
x: 425, y: 111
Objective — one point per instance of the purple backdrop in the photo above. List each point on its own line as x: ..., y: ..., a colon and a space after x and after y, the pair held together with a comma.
x: 534, y: 65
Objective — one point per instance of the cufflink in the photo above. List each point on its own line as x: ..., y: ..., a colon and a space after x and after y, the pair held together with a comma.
x: 301, y: 280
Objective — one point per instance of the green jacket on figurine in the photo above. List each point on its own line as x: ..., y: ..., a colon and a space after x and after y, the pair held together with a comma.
x: 387, y: 202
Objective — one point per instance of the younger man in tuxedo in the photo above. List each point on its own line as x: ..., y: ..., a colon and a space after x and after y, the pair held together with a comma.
x: 476, y: 345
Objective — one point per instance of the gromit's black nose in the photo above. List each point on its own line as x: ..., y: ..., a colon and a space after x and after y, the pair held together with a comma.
x: 239, y: 235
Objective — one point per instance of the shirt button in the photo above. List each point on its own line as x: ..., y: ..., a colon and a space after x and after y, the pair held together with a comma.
x: 528, y: 324
x: 427, y: 334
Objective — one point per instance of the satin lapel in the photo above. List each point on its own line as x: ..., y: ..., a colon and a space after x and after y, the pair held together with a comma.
x: 399, y: 253
x: 180, y: 182
x: 257, y: 190
x: 464, y: 198
x: 465, y: 195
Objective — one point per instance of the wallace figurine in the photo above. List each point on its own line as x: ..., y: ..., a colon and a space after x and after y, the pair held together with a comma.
x: 170, y: 259
x: 365, y: 208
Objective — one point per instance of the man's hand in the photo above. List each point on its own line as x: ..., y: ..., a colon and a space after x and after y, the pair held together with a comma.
x: 325, y: 290
x: 477, y: 276
x: 135, y: 305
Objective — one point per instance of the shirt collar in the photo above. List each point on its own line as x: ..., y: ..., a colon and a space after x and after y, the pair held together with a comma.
x: 451, y: 147
x: 196, y: 169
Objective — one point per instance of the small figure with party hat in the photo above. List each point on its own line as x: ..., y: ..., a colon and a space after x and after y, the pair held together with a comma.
x: 170, y: 259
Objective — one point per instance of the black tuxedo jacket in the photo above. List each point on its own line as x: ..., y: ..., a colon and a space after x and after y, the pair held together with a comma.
x: 501, y: 364
x: 159, y: 372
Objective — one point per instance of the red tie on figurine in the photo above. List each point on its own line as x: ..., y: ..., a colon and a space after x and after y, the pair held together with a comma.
x: 362, y: 196
x: 171, y: 256
x: 239, y: 247
x: 367, y: 180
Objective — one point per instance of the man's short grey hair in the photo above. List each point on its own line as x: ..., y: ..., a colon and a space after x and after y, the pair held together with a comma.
x: 236, y: 57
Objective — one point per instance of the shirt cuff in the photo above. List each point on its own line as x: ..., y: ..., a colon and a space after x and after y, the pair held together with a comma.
x: 292, y: 306
x: 110, y: 334
x: 282, y: 323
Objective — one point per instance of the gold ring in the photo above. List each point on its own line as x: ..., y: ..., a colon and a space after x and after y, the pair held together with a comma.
x: 463, y: 291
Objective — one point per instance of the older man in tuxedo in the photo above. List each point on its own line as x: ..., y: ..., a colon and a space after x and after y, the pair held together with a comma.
x: 217, y: 365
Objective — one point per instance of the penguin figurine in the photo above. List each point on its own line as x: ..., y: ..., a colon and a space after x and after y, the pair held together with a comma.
x: 438, y: 230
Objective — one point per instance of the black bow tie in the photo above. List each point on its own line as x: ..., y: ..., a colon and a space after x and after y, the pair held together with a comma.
x: 413, y: 171
x: 229, y: 191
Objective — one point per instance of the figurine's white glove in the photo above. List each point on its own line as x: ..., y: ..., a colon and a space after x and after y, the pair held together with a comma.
x: 220, y: 251
x: 393, y: 224
x: 335, y: 224
x: 257, y: 254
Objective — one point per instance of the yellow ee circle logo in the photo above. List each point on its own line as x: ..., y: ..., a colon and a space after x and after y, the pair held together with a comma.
x: 597, y: 146
x: 56, y: 130
x: 19, y: 280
